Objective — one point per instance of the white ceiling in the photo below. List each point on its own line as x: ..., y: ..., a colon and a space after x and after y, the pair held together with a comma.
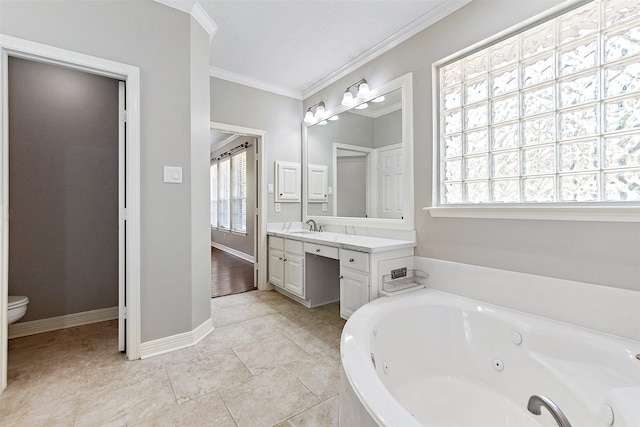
x: 297, y: 47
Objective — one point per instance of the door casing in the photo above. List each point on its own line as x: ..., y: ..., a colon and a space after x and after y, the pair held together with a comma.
x: 20, y: 48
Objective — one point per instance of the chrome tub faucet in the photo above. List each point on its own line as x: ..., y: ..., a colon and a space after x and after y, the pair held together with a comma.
x: 537, y: 401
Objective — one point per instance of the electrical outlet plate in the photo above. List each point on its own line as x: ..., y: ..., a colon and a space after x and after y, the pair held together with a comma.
x: 398, y: 273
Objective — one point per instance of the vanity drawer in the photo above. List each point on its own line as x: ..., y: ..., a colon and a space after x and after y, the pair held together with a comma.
x: 325, y: 251
x: 276, y: 243
x: 293, y: 247
x: 355, y: 260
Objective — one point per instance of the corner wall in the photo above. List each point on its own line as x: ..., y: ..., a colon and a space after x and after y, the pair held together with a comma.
x: 159, y: 40
x: 593, y: 252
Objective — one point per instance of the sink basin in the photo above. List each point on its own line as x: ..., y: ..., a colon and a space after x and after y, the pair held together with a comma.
x: 303, y: 232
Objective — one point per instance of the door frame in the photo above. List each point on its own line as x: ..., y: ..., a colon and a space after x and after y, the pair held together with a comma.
x: 20, y: 48
x: 260, y: 217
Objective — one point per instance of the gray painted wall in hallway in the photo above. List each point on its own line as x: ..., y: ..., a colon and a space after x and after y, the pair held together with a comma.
x: 174, y: 105
x: 594, y: 252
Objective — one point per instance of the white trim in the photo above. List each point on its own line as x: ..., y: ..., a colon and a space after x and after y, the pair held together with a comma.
x: 423, y: 22
x: 561, y: 213
x: 23, y: 329
x: 233, y: 252
x: 219, y: 73
x: 260, y: 232
x: 202, y: 17
x: 176, y: 342
x: 195, y: 9
x: 131, y: 75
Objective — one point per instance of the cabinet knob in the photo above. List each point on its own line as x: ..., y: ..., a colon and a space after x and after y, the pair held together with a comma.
x: 317, y: 250
x: 351, y: 260
x: 280, y: 259
x: 341, y: 277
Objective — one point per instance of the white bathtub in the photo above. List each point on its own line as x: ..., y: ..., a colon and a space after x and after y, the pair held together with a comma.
x: 444, y: 360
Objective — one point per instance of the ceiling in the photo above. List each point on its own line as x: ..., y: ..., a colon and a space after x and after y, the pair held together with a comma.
x: 297, y: 47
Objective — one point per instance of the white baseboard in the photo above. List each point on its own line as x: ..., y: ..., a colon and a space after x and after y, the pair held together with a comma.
x: 234, y: 252
x: 175, y: 342
x: 22, y: 329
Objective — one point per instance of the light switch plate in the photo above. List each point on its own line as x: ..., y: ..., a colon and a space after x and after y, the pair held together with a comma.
x: 330, y: 191
x: 173, y: 174
x: 270, y: 188
x: 324, y: 207
x: 278, y: 207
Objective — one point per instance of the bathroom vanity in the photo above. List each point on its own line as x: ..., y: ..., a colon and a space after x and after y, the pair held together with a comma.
x: 357, y: 181
x: 317, y: 268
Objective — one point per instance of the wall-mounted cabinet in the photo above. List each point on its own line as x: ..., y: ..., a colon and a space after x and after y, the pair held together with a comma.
x: 288, y: 182
x: 317, y: 183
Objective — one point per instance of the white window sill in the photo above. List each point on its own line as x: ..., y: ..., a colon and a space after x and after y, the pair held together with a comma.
x: 558, y: 213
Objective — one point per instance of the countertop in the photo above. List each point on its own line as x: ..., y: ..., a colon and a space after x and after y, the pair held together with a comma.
x: 345, y: 241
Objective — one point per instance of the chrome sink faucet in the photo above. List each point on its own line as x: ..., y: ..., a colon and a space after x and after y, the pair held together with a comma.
x: 537, y: 401
x: 312, y: 225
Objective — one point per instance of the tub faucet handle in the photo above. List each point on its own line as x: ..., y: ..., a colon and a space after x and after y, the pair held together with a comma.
x: 537, y: 401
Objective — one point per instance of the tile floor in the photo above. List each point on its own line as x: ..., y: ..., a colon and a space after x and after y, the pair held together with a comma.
x: 269, y: 362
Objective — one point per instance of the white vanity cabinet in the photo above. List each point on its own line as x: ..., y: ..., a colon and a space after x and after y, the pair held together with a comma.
x: 286, y: 265
x: 355, y: 282
x: 319, y: 268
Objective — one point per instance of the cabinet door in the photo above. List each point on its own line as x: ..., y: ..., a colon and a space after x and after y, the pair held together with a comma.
x: 294, y: 274
x: 354, y: 291
x: 276, y: 268
x: 288, y: 182
x: 317, y: 182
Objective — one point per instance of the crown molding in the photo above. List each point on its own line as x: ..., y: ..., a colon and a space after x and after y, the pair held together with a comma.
x: 250, y: 81
x: 407, y: 32
x: 195, y: 9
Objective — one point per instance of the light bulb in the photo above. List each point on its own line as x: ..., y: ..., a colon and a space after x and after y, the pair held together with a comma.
x: 363, y: 90
x: 362, y: 106
x: 347, y: 99
x: 320, y: 110
x: 308, y: 118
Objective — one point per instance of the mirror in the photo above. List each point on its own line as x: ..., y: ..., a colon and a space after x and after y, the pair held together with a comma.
x: 359, y: 166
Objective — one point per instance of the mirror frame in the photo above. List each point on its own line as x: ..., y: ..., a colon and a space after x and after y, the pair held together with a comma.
x: 405, y: 84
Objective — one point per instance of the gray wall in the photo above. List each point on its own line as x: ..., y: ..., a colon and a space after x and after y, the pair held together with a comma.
x: 63, y: 189
x: 172, y: 53
x: 594, y: 252
x: 388, y: 129
x: 278, y: 115
x: 242, y: 243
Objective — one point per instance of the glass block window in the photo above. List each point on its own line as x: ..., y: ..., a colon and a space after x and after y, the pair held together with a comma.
x: 551, y: 114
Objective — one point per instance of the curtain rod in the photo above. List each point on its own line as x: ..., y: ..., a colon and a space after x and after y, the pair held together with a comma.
x: 230, y: 152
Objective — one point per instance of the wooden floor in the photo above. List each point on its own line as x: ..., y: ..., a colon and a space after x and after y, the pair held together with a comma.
x: 229, y: 274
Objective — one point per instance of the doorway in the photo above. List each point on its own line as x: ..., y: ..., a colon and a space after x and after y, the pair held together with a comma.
x: 129, y: 181
x: 64, y: 189
x: 225, y: 141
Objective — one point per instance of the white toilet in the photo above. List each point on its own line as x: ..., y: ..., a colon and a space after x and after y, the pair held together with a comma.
x: 17, y: 308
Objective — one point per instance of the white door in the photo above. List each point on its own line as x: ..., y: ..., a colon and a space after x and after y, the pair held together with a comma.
x: 390, y: 183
